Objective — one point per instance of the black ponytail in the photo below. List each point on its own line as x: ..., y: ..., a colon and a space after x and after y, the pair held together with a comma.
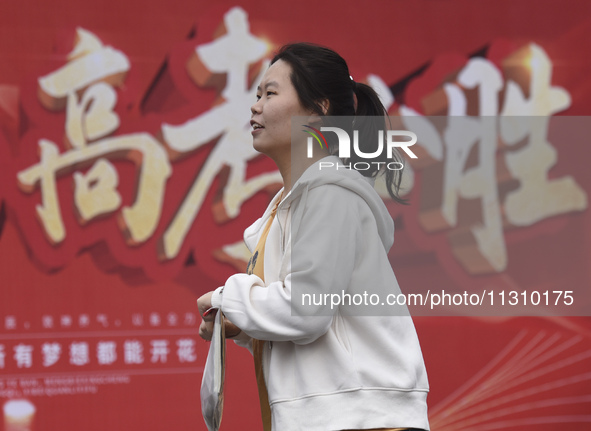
x: 371, y: 117
x: 320, y: 74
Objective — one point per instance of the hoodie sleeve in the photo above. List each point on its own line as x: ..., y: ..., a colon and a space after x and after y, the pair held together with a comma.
x: 323, y: 254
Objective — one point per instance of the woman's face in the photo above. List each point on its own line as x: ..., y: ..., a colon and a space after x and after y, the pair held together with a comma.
x: 277, y: 102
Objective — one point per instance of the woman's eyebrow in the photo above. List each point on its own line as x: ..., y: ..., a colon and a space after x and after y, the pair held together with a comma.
x: 268, y: 84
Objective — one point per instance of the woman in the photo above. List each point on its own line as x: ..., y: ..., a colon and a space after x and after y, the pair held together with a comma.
x: 321, y: 366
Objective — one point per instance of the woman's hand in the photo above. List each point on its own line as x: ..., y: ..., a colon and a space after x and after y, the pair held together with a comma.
x: 206, y: 327
x: 204, y: 304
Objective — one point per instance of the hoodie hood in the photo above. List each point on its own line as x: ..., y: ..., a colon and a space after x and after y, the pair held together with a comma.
x: 318, y: 175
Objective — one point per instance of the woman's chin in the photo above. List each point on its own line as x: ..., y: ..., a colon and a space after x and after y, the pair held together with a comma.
x: 261, y: 148
x: 274, y: 150
x: 264, y: 147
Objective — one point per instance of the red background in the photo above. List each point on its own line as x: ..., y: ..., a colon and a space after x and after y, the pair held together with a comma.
x: 485, y: 373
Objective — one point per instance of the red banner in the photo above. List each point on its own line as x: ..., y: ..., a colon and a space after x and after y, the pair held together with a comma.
x: 127, y: 176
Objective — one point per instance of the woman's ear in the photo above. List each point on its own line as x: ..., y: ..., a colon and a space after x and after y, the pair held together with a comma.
x: 325, y: 104
x: 315, y: 118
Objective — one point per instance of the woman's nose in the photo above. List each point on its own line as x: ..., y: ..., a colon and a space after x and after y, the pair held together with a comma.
x: 256, y: 107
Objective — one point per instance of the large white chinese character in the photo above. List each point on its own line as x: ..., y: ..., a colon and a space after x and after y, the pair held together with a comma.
x: 106, y: 352
x: 186, y: 350
x: 159, y: 350
x: 139, y: 220
x: 84, y: 87
x: 538, y: 197
x: 90, y: 62
x: 479, y: 245
x: 464, y: 157
x: 478, y: 182
x: 133, y: 352
x: 79, y: 353
x: 231, y: 54
x: 23, y: 355
x: 51, y: 353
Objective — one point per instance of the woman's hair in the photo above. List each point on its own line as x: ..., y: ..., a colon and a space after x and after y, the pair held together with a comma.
x: 319, y: 74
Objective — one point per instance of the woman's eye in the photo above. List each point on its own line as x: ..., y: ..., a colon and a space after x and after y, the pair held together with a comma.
x: 267, y: 94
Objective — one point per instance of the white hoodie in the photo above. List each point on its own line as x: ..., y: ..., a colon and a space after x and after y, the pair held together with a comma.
x: 330, y: 368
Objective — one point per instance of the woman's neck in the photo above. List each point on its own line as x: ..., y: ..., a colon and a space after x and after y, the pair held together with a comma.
x: 292, y: 166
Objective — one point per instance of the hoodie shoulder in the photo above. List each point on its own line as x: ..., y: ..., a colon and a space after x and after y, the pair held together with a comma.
x: 356, y: 189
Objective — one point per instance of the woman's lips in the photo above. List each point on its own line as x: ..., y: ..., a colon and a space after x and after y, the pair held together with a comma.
x: 256, y: 127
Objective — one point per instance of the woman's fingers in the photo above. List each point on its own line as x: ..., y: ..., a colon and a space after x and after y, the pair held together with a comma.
x: 208, y: 315
x: 204, y: 304
x: 206, y: 330
x: 231, y: 329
